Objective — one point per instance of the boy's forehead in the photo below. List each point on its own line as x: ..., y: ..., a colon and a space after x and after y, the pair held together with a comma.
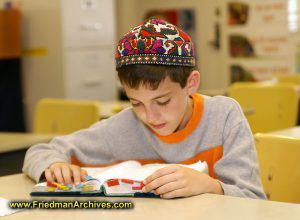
x: 165, y: 87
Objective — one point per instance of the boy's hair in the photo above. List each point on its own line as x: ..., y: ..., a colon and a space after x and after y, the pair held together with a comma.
x: 151, y: 76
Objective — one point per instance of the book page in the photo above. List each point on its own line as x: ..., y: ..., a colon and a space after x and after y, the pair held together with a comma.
x: 144, y: 171
x: 101, y: 174
x: 129, y: 183
x: 94, y: 171
x: 116, y: 171
x: 131, y: 170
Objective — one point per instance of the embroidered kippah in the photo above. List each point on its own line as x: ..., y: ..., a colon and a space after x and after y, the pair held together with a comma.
x: 155, y: 41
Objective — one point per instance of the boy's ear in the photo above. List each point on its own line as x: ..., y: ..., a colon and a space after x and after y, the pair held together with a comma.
x: 193, y: 82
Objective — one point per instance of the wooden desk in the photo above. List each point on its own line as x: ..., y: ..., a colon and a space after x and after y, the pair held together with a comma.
x: 289, y: 132
x: 13, y: 147
x: 207, y: 206
x: 10, y: 141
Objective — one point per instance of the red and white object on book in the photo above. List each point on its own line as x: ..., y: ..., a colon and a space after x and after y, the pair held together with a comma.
x: 123, y: 186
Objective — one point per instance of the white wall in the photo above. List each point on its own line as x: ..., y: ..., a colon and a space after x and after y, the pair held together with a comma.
x: 130, y: 12
x: 41, y: 73
x: 127, y: 15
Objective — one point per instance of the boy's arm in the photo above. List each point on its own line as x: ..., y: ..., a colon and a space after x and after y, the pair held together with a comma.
x: 178, y: 181
x: 238, y: 169
x: 88, y: 145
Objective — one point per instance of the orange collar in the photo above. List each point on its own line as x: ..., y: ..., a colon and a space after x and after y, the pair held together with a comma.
x: 191, y: 125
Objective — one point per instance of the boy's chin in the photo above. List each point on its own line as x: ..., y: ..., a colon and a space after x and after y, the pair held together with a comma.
x: 164, y: 132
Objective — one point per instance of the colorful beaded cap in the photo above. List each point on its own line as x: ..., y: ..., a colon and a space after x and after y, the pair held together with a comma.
x: 155, y: 41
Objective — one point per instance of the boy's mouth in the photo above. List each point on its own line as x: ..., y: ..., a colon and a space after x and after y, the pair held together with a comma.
x: 158, y: 126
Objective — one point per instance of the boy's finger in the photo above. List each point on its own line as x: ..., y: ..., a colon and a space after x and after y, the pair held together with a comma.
x: 76, y: 174
x: 174, y: 194
x: 66, y: 173
x: 169, y: 187
x: 160, y: 182
x: 58, y: 175
x: 48, y: 175
x: 83, y: 174
x: 161, y: 172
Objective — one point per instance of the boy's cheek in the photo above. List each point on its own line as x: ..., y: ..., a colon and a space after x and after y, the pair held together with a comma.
x: 140, y: 115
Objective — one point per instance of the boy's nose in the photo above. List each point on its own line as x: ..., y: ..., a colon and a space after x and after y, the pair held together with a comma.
x: 152, y: 116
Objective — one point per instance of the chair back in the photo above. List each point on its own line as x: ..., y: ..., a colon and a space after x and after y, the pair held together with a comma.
x: 279, y: 166
x: 267, y: 107
x: 289, y: 78
x: 61, y: 116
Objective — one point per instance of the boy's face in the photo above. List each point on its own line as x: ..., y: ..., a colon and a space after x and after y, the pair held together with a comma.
x: 165, y: 110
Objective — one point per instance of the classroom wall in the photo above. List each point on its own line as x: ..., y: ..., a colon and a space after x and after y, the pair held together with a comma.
x: 42, y: 70
x: 131, y: 12
x: 128, y: 14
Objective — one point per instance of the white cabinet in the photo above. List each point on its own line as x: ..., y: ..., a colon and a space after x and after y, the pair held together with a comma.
x: 88, y: 23
x: 70, y: 51
x: 83, y: 78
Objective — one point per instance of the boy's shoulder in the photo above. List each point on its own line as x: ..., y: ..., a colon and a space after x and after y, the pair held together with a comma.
x: 122, y: 120
x: 222, y: 108
x: 220, y: 102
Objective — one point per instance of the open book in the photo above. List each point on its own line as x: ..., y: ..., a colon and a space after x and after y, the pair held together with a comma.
x: 123, y: 179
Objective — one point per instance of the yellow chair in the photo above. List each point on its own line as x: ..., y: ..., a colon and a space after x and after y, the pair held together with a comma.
x: 289, y: 78
x: 279, y: 166
x: 60, y: 116
x: 267, y: 107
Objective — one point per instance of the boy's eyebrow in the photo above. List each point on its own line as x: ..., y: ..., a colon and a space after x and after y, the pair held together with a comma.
x: 157, y: 97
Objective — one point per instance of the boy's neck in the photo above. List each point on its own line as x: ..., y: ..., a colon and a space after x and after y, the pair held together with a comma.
x: 188, y: 114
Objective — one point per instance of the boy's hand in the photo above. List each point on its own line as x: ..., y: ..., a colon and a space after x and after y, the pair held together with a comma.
x: 178, y: 181
x: 65, y: 173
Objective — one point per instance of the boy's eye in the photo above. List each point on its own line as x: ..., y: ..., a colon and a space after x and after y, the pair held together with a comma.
x: 135, y: 104
x: 164, y: 103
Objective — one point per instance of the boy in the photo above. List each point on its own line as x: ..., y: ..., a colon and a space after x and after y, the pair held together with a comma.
x: 168, y: 122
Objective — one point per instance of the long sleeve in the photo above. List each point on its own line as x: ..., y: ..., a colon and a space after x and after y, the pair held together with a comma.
x: 238, y: 170
x: 89, y: 145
